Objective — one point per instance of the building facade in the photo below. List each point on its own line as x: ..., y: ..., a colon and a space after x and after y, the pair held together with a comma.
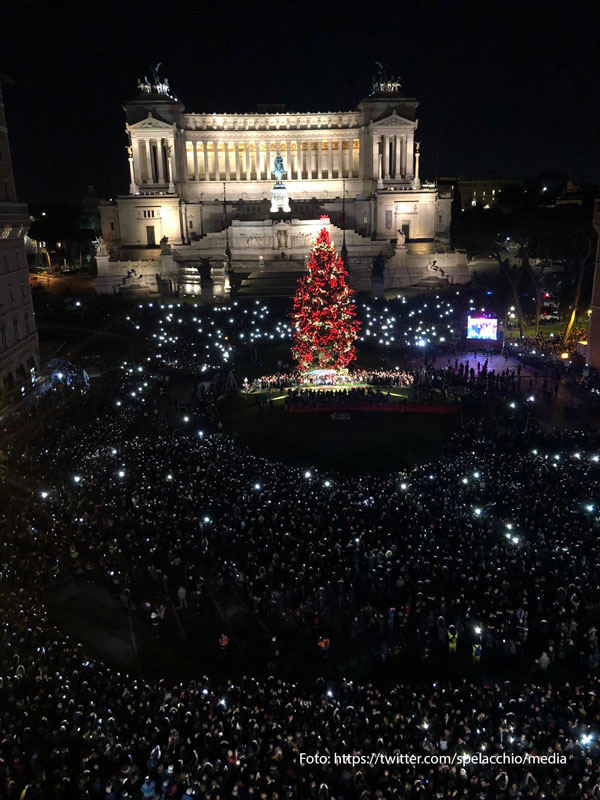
x: 593, y: 347
x: 19, y: 352
x: 478, y: 191
x: 359, y: 169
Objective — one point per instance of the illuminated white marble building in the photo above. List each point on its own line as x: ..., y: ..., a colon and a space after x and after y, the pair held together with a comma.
x: 19, y: 352
x: 180, y: 165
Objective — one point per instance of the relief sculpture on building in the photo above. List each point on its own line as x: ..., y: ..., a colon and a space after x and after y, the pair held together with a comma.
x: 255, y: 241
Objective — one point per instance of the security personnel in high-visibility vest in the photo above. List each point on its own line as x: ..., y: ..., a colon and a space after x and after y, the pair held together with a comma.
x: 452, y: 640
x: 477, y: 648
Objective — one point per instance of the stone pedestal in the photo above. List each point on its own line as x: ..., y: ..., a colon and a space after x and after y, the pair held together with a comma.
x: 220, y: 281
x: 377, y: 286
x: 207, y: 290
x: 280, y: 200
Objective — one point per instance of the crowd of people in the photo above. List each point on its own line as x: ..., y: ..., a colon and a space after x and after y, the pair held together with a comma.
x: 546, y: 351
x: 485, y: 561
x: 357, y: 377
x: 354, y: 397
x: 479, y: 381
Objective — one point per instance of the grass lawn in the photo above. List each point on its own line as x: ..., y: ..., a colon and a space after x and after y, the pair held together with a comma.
x: 369, y: 442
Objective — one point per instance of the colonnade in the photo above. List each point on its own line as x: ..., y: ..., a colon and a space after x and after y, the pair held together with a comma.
x: 217, y: 160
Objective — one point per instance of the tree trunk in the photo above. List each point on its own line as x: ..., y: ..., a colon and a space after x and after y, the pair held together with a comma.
x: 513, y: 281
x: 535, y: 282
x: 584, y: 253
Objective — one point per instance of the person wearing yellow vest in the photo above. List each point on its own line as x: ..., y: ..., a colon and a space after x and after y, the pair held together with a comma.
x: 452, y: 640
x: 477, y: 648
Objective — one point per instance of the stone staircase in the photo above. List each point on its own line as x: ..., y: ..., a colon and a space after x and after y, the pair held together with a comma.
x: 277, y: 280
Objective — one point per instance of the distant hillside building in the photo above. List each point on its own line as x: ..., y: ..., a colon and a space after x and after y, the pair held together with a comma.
x: 19, y: 353
x: 478, y: 191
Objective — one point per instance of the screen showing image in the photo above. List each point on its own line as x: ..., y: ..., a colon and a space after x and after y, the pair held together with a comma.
x: 482, y: 328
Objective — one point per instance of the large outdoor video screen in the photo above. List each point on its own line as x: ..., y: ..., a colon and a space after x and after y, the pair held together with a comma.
x: 482, y: 328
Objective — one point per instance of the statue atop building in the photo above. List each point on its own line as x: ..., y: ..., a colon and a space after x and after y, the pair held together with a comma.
x: 278, y: 168
x: 156, y: 84
x: 382, y: 84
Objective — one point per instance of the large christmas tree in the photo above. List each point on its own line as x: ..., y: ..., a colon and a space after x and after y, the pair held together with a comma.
x: 325, y: 327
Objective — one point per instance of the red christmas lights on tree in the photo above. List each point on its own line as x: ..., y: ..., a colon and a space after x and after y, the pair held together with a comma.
x: 325, y: 327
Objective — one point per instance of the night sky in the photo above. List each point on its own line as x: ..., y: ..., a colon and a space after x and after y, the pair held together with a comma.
x: 506, y: 87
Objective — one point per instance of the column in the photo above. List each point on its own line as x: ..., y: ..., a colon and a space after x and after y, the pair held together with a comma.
x: 196, y: 174
x: 258, y: 162
x: 133, y: 189
x: 238, y: 175
x: 417, y: 182
x: 138, y: 160
x: 288, y: 161
x: 361, y: 153
x: 148, y: 144
x: 161, y: 161
x: 216, y: 161
x: 268, y: 164
x: 341, y: 158
x: 330, y: 154
x: 397, y: 172
x: 319, y: 159
x: 248, y: 162
x: 152, y: 161
x: 169, y: 153
x: 227, y: 164
x: 300, y: 170
x: 386, y: 156
x: 403, y: 156
x: 205, y: 157
x: 375, y: 165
